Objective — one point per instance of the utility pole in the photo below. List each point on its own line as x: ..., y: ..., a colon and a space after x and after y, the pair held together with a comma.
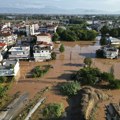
x: 70, y: 56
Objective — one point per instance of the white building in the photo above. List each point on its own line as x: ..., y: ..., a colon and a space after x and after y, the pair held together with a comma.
x: 9, y: 68
x: 36, y: 26
x: 48, y: 29
x: 19, y: 52
x: 3, y: 50
x: 6, y: 25
x: 32, y: 29
x: 8, y: 38
x: 44, y: 38
x: 42, y: 52
x: 89, y: 22
x: 114, y: 41
x: 52, y: 29
x: 43, y: 29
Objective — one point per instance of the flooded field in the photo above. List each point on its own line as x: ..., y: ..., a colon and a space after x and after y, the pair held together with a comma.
x: 65, y: 64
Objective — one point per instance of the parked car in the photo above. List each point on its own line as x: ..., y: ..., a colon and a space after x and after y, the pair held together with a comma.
x: 110, y: 52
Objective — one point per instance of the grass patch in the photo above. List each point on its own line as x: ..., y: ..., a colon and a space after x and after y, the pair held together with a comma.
x: 5, y: 85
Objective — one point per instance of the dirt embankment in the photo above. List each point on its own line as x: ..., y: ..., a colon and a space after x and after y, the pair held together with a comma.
x: 85, y: 102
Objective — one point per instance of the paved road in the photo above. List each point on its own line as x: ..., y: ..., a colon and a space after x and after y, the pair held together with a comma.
x: 14, y: 108
x: 35, y: 108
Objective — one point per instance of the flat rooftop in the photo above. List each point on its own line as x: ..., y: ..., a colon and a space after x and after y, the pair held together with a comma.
x: 5, y: 64
x: 23, y: 48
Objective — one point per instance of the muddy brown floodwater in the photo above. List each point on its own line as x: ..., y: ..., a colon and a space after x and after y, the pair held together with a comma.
x: 65, y: 64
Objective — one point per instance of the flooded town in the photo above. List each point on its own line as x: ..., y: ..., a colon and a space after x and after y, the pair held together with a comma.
x: 59, y: 66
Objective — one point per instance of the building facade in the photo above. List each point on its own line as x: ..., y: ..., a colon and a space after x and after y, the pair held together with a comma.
x: 19, y: 53
x: 9, y: 68
x: 42, y: 53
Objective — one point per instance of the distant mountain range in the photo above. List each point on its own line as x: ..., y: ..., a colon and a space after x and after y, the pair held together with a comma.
x: 53, y: 10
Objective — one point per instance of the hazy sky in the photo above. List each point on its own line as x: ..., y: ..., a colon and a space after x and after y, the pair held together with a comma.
x: 109, y: 5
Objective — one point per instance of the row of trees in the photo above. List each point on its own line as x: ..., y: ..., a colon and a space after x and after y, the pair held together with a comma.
x: 92, y: 76
x: 74, y: 33
x: 114, y: 32
x: 77, y: 21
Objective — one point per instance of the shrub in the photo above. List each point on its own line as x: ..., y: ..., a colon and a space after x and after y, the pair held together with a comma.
x: 53, y: 56
x: 3, y: 90
x: 88, y: 61
x: 53, y: 111
x: 3, y: 79
x: 107, y: 76
x: 61, y: 49
x: 88, y: 76
x: 55, y: 37
x: 115, y: 84
x: 39, y: 71
x: 70, y: 88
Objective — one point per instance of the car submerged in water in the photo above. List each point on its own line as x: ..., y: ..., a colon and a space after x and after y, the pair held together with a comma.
x: 108, y: 52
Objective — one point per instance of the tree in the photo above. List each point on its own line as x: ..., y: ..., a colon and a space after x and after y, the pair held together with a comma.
x: 55, y: 37
x: 68, y: 35
x: 60, y: 31
x: 103, y: 40
x: 88, y: 61
x: 88, y: 76
x: 76, y: 32
x: 91, y: 34
x: 53, y: 56
x: 70, y: 88
x: 104, y: 30
x: 61, y: 49
x: 77, y: 21
x: 114, y: 32
x: 37, y: 72
x: 53, y: 111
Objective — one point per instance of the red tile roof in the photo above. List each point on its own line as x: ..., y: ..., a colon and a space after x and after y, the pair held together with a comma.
x: 5, y: 34
x: 44, y: 43
x: 2, y: 44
